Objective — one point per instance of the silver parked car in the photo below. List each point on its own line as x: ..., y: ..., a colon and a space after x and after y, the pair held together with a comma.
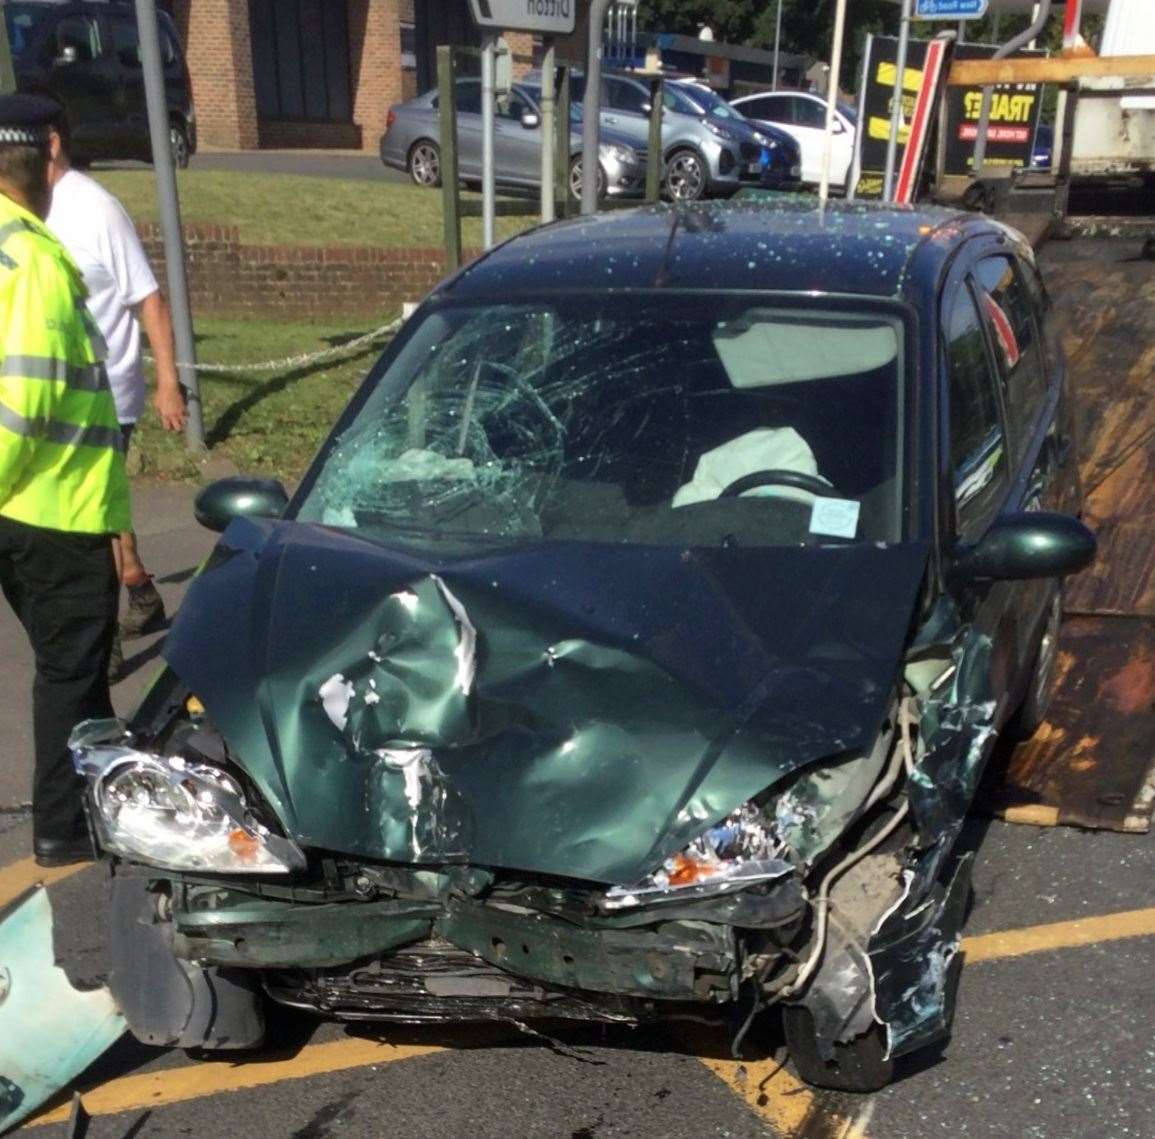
x: 412, y: 142
x: 708, y: 147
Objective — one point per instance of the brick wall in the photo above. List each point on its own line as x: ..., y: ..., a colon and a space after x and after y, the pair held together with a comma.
x: 374, y: 64
x: 228, y: 278
x: 220, y: 60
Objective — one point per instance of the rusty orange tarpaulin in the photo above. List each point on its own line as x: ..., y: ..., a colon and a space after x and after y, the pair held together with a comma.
x: 1093, y: 763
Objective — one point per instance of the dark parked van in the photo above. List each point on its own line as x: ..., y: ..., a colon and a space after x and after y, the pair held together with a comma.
x: 87, y: 55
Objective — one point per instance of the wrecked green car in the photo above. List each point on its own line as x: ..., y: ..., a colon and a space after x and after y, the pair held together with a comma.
x: 631, y: 650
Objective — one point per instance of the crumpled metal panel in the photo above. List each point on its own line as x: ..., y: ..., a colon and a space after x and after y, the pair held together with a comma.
x: 49, y: 1031
x: 620, y: 698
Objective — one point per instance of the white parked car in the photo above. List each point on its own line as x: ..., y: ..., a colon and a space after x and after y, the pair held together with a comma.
x: 803, y: 116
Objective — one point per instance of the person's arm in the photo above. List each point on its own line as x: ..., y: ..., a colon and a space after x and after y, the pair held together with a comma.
x: 156, y: 320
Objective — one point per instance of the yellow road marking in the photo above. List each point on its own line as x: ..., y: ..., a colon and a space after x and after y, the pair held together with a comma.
x: 1059, y: 935
x: 212, y: 1077
x: 17, y: 877
x: 788, y: 1105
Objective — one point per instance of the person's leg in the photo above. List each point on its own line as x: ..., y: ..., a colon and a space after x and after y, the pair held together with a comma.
x: 69, y: 597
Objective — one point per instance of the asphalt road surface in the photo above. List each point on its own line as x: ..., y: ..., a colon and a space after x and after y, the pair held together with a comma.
x: 1053, y: 1037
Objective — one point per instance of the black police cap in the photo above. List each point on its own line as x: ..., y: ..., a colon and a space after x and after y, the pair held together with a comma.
x: 25, y: 119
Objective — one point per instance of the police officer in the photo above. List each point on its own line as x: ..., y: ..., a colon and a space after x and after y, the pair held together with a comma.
x: 63, y: 489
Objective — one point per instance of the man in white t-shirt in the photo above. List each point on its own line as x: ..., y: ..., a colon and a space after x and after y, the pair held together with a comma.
x: 123, y: 296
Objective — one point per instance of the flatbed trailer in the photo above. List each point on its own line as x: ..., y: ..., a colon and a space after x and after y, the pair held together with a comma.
x: 1093, y: 763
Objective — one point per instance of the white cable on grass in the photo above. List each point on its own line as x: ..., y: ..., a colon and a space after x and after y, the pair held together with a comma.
x: 304, y: 358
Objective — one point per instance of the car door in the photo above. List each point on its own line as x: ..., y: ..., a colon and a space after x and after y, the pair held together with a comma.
x: 85, y: 77
x: 808, y: 125
x: 977, y: 457
x: 468, y: 96
x: 1041, y: 448
x: 517, y: 146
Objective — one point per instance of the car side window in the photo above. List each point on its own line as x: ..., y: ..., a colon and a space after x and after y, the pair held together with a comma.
x: 79, y: 35
x: 771, y: 110
x: 468, y: 97
x: 125, y: 41
x: 978, y: 449
x: 625, y: 96
x: 1014, y: 334
x: 809, y: 113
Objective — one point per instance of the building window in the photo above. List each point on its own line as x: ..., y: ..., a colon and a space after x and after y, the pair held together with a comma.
x: 408, y: 47
x: 301, y: 59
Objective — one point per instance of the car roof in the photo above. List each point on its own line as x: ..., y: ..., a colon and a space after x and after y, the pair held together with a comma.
x: 780, y: 242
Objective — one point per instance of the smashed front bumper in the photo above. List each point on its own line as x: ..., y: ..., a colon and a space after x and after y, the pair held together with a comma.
x: 420, y: 945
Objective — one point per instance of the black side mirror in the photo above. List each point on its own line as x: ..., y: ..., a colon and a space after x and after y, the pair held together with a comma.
x: 1034, y: 544
x: 222, y: 501
x: 530, y: 120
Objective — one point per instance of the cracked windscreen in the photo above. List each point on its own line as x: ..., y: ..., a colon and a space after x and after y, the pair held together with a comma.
x: 708, y: 420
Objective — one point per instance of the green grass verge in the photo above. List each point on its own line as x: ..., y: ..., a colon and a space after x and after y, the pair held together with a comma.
x: 265, y: 422
x: 292, y: 209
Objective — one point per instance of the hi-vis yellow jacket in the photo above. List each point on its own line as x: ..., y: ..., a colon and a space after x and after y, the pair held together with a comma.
x: 61, y: 463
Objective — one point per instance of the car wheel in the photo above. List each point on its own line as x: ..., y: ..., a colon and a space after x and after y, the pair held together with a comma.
x: 685, y: 176
x: 860, y: 1065
x: 425, y: 164
x: 575, y: 179
x: 1041, y: 687
x: 178, y: 144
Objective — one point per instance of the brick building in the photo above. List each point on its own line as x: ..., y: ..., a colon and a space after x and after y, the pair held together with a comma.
x: 314, y: 73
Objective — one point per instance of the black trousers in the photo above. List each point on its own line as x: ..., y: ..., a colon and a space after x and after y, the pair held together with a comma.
x: 64, y: 589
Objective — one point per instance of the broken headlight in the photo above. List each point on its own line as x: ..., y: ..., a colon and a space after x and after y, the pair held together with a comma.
x: 742, y: 849
x: 172, y: 813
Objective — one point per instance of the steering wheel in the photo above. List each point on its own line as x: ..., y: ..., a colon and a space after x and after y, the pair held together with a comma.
x: 799, y: 480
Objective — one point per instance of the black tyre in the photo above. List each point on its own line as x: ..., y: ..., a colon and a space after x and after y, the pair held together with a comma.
x: 861, y: 1065
x: 1041, y: 687
x: 686, y: 177
x: 178, y: 144
x: 424, y: 163
x: 575, y: 179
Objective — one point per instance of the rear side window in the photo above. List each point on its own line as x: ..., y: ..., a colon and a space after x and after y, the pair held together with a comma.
x: 978, y: 450
x: 1014, y: 333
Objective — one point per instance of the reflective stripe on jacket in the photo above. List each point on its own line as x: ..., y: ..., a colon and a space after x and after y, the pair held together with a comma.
x: 61, y: 464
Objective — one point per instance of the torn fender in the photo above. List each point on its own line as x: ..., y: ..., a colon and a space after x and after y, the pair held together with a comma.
x: 49, y: 1031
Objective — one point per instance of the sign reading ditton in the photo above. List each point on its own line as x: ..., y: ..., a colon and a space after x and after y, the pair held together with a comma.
x: 549, y: 17
x: 950, y: 9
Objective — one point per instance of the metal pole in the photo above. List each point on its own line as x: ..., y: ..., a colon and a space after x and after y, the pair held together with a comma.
x: 654, y: 161
x: 561, y: 144
x: 548, y: 125
x: 1042, y: 14
x: 592, y: 107
x: 153, y: 71
x: 777, y: 41
x: 831, y: 99
x: 7, y: 71
x: 450, y: 186
x: 896, y: 102
x: 488, y: 50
